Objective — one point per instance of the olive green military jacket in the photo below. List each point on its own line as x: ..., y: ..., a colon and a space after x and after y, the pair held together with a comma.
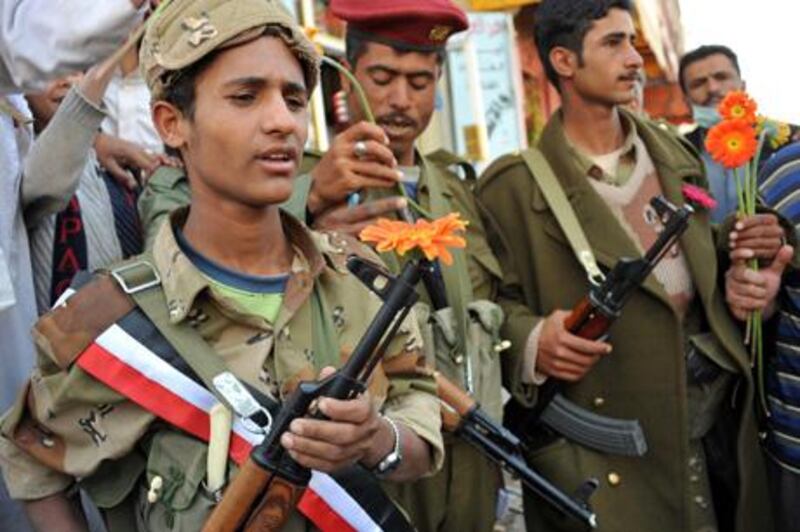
x: 645, y: 376
x: 476, y: 293
x: 66, y: 425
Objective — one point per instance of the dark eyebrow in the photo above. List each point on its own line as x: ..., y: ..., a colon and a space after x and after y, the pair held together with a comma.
x: 251, y: 81
x: 393, y: 72
x: 381, y: 68
x: 258, y: 82
x: 294, y: 87
x: 616, y: 36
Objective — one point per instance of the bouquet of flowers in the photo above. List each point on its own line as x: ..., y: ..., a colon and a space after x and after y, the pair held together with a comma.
x: 736, y: 143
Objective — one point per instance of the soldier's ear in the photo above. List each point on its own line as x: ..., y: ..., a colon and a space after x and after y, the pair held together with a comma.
x: 564, y: 61
x: 170, y: 123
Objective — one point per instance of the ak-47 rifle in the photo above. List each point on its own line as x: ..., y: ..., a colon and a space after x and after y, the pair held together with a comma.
x: 464, y: 417
x: 594, y: 314
x: 268, y: 486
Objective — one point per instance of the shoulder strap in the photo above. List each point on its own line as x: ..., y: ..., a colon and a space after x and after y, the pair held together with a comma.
x: 446, y: 158
x: 562, y: 209
x: 140, y: 280
x: 323, y: 336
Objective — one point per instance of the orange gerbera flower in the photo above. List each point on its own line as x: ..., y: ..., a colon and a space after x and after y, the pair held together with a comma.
x: 737, y: 105
x: 732, y: 143
x: 432, y: 238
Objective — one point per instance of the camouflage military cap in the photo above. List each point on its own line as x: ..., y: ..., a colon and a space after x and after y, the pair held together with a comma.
x: 185, y: 31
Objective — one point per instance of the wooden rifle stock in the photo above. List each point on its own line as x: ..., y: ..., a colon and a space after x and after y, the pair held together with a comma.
x: 230, y: 517
x: 587, y: 321
x: 253, y: 482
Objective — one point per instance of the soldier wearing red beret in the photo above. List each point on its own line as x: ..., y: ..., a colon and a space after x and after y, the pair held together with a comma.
x: 396, y: 52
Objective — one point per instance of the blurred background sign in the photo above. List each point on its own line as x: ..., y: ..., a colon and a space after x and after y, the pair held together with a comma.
x: 485, y: 89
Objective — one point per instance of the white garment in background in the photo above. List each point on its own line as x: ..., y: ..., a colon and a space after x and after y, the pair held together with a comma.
x: 44, y: 39
x: 62, y: 163
x: 7, y: 297
x: 16, y: 345
x: 127, y: 106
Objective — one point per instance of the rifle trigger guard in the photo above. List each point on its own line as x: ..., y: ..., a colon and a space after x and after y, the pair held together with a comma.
x: 585, y: 491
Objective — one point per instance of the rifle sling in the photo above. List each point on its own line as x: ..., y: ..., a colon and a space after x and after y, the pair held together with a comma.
x: 562, y: 209
x: 139, y: 279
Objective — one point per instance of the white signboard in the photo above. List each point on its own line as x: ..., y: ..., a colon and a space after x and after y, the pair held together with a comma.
x: 496, y: 95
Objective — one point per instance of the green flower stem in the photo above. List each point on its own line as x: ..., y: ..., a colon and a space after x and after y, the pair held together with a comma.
x: 364, y: 103
x: 758, y: 333
x: 362, y: 96
x: 737, y: 178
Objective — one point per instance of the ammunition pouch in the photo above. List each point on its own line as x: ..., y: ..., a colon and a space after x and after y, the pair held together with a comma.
x: 439, y: 333
x: 182, y: 503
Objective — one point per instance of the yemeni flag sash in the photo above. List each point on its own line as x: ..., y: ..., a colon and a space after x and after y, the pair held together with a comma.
x: 133, y: 358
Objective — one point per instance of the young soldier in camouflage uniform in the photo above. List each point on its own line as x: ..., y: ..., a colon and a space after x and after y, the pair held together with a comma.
x: 396, y: 51
x: 230, y: 82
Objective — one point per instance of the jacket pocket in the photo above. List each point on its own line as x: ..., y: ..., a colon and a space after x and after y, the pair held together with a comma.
x: 181, y: 503
x: 483, y: 343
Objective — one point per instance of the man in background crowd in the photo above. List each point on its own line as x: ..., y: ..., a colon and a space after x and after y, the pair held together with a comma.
x: 706, y: 75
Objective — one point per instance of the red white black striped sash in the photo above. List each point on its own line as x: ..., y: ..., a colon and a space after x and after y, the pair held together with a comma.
x: 132, y: 358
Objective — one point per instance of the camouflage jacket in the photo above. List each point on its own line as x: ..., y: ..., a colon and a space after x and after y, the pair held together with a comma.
x: 67, y: 426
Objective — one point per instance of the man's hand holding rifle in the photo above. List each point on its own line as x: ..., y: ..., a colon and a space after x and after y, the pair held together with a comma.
x: 352, y: 431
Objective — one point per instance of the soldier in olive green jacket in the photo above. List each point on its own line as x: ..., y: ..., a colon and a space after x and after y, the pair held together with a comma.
x: 395, y: 51
x: 678, y: 372
x: 123, y: 417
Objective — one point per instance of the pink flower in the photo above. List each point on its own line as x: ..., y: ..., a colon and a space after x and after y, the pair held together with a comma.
x: 699, y: 196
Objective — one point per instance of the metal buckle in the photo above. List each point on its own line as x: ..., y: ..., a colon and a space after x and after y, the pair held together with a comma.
x: 596, y: 277
x: 242, y: 402
x: 254, y: 427
x: 130, y: 290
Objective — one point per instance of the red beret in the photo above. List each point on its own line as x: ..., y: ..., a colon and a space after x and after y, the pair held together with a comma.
x: 413, y: 24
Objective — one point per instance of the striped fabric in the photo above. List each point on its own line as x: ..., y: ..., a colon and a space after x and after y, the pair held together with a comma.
x: 780, y: 189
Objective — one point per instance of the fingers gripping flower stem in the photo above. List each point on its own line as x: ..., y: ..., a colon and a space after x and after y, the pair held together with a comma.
x: 370, y: 117
x: 736, y: 144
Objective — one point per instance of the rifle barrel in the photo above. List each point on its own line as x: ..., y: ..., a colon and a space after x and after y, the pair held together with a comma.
x: 516, y: 465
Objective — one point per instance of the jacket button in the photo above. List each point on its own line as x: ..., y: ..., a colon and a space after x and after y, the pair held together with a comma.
x: 598, y: 402
x: 502, y: 346
x: 155, y: 489
x: 614, y: 479
x: 701, y: 502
